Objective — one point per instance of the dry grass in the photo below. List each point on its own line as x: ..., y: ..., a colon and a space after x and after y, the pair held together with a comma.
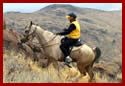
x: 17, y: 69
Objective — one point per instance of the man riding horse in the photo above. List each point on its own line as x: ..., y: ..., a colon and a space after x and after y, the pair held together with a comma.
x: 85, y: 57
x: 73, y: 35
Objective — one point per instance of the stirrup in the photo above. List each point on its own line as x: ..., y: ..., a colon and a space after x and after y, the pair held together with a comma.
x: 68, y: 59
x: 67, y: 63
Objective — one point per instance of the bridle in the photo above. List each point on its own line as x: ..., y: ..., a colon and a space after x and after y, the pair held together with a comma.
x: 43, y: 45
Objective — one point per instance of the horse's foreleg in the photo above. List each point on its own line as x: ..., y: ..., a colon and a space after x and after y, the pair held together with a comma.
x: 49, y: 62
x: 56, y: 66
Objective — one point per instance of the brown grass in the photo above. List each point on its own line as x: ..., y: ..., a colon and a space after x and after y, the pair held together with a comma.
x: 17, y: 69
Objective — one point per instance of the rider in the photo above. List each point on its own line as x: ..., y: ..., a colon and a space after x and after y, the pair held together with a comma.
x: 73, y: 34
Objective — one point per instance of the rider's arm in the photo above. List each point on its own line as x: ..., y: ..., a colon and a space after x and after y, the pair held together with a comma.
x: 69, y: 30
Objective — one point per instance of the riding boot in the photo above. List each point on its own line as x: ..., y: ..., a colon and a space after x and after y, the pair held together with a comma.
x: 68, y: 59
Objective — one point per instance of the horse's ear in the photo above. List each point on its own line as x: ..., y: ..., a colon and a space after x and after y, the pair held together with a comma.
x: 31, y: 23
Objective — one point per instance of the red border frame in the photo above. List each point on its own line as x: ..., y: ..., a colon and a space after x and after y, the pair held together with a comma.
x: 59, y: 1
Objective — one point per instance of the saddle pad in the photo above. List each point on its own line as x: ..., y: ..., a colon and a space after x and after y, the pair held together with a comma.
x: 77, y: 48
x: 82, y: 46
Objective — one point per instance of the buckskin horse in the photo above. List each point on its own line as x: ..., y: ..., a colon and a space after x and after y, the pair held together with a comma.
x: 83, y: 55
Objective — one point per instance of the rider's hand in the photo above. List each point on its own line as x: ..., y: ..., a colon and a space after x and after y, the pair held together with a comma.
x: 64, y: 29
x: 57, y: 33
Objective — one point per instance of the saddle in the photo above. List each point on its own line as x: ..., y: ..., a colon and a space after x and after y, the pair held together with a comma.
x: 77, y: 44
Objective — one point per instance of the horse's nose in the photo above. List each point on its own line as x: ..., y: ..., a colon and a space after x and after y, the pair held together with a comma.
x: 23, y: 40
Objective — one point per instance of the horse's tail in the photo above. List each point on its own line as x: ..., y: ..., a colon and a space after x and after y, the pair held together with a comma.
x: 97, y: 52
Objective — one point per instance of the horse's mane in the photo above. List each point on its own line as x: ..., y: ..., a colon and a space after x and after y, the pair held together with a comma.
x: 44, y: 30
x: 47, y: 33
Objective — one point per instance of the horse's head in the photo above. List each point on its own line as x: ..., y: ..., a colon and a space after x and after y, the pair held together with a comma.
x: 29, y: 32
x: 28, y: 29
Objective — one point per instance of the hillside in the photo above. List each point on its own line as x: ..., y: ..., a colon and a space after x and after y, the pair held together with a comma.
x: 18, y: 69
x: 98, y: 28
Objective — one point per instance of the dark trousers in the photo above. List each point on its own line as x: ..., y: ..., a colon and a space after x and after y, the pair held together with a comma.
x: 66, y: 43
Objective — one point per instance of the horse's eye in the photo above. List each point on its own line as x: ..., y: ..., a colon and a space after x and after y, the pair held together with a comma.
x: 27, y: 31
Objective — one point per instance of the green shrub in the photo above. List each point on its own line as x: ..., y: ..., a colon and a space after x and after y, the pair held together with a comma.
x: 4, y: 25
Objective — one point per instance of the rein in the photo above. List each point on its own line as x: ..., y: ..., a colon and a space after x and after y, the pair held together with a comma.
x: 49, y: 45
x: 46, y: 44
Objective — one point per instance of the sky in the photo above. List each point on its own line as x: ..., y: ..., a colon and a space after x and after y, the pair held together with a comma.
x: 31, y: 7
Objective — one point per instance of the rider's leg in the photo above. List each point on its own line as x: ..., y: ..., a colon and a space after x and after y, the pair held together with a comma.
x: 65, y: 49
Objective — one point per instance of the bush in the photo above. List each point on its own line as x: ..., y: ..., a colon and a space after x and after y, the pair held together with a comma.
x: 4, y: 25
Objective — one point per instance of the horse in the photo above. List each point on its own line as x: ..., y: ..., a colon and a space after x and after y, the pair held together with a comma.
x: 83, y: 55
